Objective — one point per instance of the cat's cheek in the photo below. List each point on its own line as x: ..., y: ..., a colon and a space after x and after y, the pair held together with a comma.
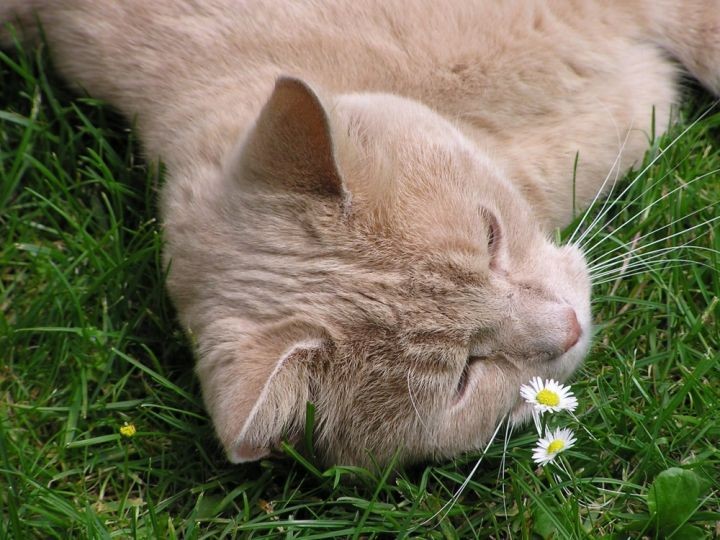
x: 521, y: 414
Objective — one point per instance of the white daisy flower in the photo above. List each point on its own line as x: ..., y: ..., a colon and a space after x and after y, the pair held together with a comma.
x: 555, y: 442
x: 550, y: 396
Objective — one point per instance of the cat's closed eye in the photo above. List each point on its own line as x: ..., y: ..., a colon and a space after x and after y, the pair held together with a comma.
x: 493, y: 231
x: 462, y: 383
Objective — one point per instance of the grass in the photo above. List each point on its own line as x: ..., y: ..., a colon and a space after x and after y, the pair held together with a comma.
x: 88, y: 341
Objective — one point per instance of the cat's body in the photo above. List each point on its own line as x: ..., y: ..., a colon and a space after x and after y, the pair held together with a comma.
x: 374, y: 239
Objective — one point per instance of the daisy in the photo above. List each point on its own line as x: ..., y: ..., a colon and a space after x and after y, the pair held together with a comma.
x: 550, y: 396
x: 549, y: 447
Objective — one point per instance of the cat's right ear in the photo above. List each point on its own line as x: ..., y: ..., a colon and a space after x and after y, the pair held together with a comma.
x: 291, y: 145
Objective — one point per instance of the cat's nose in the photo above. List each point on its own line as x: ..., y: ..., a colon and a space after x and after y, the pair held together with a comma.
x: 574, y: 330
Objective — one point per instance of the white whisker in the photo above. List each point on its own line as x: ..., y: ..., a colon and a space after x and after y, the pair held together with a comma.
x: 615, y: 164
x: 448, y: 505
x: 636, y: 252
x: 501, y: 475
x: 626, y: 204
x: 412, y: 401
x: 593, y: 264
x: 636, y: 259
x: 652, y: 162
x: 648, y: 207
x: 582, y: 426
x: 641, y: 264
x: 646, y: 270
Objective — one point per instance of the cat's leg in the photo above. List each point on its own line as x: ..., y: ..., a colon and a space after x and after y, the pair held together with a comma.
x: 689, y: 31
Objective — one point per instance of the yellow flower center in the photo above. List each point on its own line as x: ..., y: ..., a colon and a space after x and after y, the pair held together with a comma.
x: 548, y: 397
x: 127, y: 430
x: 555, y: 446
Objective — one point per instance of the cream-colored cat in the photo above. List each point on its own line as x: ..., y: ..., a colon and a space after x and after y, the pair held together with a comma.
x: 360, y: 195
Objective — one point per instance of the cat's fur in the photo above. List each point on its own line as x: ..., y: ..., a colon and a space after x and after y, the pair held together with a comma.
x: 360, y: 195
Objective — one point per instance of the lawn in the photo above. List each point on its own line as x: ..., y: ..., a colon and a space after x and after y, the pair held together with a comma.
x: 89, y: 342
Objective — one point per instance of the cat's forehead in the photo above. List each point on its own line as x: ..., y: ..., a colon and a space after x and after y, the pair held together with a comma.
x: 416, y: 181
x: 399, y: 137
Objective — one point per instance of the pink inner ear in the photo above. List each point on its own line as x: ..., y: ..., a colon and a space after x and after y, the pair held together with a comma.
x: 291, y: 145
x: 243, y: 452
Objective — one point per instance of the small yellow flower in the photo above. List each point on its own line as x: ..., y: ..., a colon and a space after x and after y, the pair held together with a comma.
x: 127, y: 430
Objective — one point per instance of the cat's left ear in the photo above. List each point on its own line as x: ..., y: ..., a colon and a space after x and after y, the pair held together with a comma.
x: 291, y: 145
x: 256, y: 381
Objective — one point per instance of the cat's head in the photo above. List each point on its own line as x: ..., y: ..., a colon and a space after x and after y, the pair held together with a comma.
x: 363, y: 255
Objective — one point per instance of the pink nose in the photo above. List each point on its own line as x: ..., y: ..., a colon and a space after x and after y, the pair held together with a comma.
x: 574, y: 329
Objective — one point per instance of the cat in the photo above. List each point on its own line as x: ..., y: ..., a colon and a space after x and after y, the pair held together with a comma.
x: 360, y: 196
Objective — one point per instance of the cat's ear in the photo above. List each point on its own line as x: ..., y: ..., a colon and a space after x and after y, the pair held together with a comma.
x: 291, y: 144
x: 255, y: 382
